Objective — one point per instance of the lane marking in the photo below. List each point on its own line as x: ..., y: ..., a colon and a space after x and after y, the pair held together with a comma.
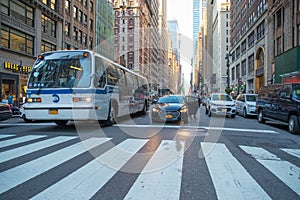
x: 87, y: 180
x: 196, y: 127
x: 21, y: 151
x: 158, y: 181
x: 230, y: 178
x: 20, y: 140
x: 17, y: 175
x: 284, y: 170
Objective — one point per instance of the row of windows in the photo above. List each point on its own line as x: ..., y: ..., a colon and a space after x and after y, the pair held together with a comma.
x: 16, y: 40
x: 50, y: 3
x: 48, y: 26
x: 236, y: 72
x: 20, y: 11
x: 260, y: 32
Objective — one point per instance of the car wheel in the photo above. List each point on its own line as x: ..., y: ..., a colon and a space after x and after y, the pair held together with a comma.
x: 245, y: 113
x: 260, y: 116
x: 294, y: 125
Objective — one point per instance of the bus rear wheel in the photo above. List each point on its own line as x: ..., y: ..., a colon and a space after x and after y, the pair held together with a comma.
x: 61, y: 122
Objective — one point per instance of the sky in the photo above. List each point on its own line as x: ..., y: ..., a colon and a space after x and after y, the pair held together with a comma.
x: 182, y: 10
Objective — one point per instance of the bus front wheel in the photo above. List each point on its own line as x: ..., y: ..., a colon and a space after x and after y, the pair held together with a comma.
x: 111, y: 119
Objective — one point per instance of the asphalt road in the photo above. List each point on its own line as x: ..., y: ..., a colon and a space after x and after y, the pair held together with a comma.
x: 207, y: 158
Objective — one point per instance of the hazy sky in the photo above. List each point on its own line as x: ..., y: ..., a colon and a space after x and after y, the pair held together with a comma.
x: 182, y: 10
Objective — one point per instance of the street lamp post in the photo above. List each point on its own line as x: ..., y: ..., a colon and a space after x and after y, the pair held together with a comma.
x: 227, y: 71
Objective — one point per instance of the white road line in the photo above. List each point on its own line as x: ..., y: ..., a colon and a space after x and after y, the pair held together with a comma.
x: 195, y: 127
x: 20, y: 140
x: 86, y: 181
x: 230, y: 178
x: 5, y: 136
x: 293, y: 152
x: 17, y: 175
x: 161, y: 177
x: 284, y: 170
x: 17, y: 152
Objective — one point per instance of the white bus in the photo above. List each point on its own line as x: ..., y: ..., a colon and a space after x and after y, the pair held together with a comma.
x: 83, y: 85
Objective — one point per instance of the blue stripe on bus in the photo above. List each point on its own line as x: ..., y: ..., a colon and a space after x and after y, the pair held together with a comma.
x: 72, y: 91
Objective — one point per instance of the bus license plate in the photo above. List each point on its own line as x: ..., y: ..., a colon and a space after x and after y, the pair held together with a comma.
x: 53, y: 112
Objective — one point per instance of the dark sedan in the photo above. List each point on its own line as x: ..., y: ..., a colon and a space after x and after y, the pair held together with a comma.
x: 5, y: 111
x: 171, y: 108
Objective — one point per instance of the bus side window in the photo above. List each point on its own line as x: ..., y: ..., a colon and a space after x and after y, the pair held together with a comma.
x: 102, y: 80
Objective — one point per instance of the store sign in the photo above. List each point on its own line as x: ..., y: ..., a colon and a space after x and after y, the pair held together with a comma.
x: 16, y: 68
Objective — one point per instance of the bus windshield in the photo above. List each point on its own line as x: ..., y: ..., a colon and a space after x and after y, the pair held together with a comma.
x: 64, y: 69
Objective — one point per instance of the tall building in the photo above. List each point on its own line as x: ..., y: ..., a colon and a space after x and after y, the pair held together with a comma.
x: 249, y: 41
x: 284, y: 39
x: 135, y: 30
x: 104, y: 29
x: 196, y: 20
x: 220, y: 21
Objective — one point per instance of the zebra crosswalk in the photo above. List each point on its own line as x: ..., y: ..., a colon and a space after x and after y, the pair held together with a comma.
x: 159, y: 178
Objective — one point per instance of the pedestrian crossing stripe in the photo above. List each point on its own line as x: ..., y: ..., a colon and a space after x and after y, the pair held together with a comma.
x: 20, y: 151
x: 20, y: 140
x: 17, y: 175
x: 229, y: 175
x: 284, y: 170
x: 6, y: 136
x: 157, y: 182
x: 86, y: 181
x: 230, y: 179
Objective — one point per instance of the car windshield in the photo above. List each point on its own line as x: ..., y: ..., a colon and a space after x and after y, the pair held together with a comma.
x: 170, y: 99
x: 221, y: 97
x: 251, y: 98
x: 296, y: 91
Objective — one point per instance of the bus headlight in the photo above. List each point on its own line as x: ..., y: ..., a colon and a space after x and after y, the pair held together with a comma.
x: 82, y: 99
x: 34, y: 100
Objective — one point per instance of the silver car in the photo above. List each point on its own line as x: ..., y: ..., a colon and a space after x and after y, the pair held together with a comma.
x: 221, y: 104
x: 246, y: 105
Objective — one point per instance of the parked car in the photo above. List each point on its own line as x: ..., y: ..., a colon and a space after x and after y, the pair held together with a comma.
x: 246, y: 105
x: 280, y: 103
x: 5, y: 111
x: 170, y: 108
x: 221, y: 104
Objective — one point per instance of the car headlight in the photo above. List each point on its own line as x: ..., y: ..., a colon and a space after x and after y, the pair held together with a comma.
x: 183, y: 109
x: 154, y: 109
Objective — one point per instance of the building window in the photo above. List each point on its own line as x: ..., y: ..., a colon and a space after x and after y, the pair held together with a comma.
x: 244, y: 68
x: 91, y: 7
x: 238, y: 52
x: 85, y: 19
x: 278, y: 41
x: 238, y: 71
x: 46, y: 46
x: 75, y: 13
x: 233, y: 74
x: 251, y: 63
x: 48, y: 26
x: 18, y: 10
x: 80, y: 16
x: 16, y: 40
x: 260, y: 30
x: 85, y: 3
x: 91, y: 24
x: 67, y: 6
x: 251, y: 39
x: 50, y: 3
x: 244, y: 46
x: 278, y: 16
x: 67, y: 29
